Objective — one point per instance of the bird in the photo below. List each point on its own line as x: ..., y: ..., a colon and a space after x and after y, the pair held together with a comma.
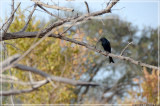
x: 107, y: 47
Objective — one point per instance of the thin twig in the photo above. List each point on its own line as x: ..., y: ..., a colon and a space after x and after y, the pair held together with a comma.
x: 14, y: 92
x: 108, y: 2
x: 87, y: 7
x: 52, y: 6
x: 8, y: 77
x: 68, y: 28
x: 11, y: 19
x: 21, y: 82
x: 49, y: 12
x: 98, y: 40
x: 12, y: 46
x: 28, y: 19
x: 125, y: 48
x: 9, y: 61
x: 10, y: 16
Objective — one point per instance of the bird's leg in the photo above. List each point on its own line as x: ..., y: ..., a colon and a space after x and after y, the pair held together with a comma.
x: 107, y: 53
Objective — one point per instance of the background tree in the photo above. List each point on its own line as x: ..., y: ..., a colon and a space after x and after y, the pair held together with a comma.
x: 65, y: 51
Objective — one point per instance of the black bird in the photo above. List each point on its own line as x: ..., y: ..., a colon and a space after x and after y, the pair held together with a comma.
x: 107, y: 47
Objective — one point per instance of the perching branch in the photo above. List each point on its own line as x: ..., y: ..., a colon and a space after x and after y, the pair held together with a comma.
x: 105, y: 53
x: 56, y: 24
x: 33, y: 34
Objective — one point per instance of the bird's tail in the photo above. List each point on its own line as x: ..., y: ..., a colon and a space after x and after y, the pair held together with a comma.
x: 111, y: 60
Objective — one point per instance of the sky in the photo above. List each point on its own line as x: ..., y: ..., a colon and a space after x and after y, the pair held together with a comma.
x: 139, y: 12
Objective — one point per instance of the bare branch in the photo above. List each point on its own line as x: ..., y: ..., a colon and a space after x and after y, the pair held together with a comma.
x: 14, y: 92
x: 9, y: 61
x: 125, y: 48
x: 68, y: 28
x: 21, y: 82
x: 46, y: 30
x: 59, y: 23
x: 28, y: 19
x: 87, y: 6
x: 53, y: 78
x: 28, y: 51
x: 49, y: 12
x: 11, y: 19
x: 33, y: 34
x: 10, y: 16
x: 36, y: 86
x: 108, y: 2
x: 6, y: 43
x: 52, y: 6
x: 8, y: 77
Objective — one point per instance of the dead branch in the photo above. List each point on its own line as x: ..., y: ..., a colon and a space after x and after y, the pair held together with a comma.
x: 9, y: 61
x: 49, y: 28
x: 8, y: 77
x: 59, y: 23
x: 49, y: 12
x: 21, y: 82
x: 14, y: 92
x: 6, y: 43
x: 125, y: 48
x: 54, y: 78
x: 87, y: 7
x: 10, y: 17
x: 28, y: 19
x: 33, y: 34
x: 52, y: 6
x: 47, y: 76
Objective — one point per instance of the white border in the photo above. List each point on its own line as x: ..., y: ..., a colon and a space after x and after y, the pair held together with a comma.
x: 92, y: 1
x: 1, y: 48
x: 158, y: 47
x: 86, y: 0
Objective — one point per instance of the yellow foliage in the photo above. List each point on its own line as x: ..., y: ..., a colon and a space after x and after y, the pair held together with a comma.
x: 53, y: 56
x: 149, y: 92
x: 150, y: 86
